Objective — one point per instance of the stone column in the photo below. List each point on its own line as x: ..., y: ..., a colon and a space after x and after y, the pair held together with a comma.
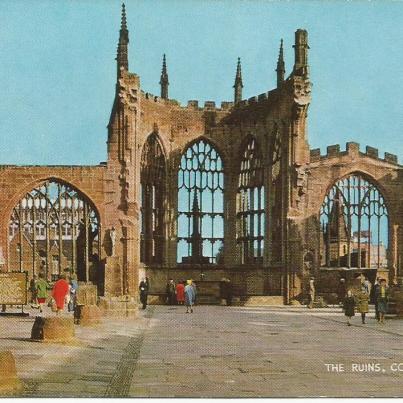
x: 393, y: 253
x: 231, y: 254
x: 170, y: 259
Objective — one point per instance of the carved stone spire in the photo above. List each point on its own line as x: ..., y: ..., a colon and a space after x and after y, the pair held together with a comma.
x: 164, y: 82
x: 280, y: 65
x: 301, y: 47
x: 238, y: 83
x: 197, y: 246
x: 122, y: 52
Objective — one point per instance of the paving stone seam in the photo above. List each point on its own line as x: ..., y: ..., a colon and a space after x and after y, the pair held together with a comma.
x: 121, y: 381
x: 361, y: 326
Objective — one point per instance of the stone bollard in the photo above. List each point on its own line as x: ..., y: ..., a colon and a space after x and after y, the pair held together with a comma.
x: 9, y: 382
x: 87, y: 315
x: 87, y: 312
x: 55, y: 329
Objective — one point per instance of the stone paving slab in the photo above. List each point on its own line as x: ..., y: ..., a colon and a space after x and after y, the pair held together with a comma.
x: 214, y: 352
x: 298, y: 348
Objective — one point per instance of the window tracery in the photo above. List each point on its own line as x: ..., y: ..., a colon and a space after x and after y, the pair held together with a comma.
x: 200, y: 205
x: 354, y: 225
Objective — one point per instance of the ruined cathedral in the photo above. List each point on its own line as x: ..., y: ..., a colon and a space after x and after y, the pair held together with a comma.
x: 207, y: 192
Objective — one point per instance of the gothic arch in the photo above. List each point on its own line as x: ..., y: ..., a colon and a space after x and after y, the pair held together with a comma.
x: 354, y: 223
x: 250, y: 203
x: 153, y: 173
x: 348, y: 171
x: 200, y: 220
x: 219, y: 149
x: 53, y: 228
x: 154, y: 137
x: 27, y: 187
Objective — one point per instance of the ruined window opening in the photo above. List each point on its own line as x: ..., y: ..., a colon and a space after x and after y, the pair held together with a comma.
x: 200, y: 205
x: 152, y: 183
x: 354, y: 225
x: 250, y: 206
x: 37, y: 238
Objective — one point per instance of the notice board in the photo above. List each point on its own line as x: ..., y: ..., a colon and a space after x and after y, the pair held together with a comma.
x: 13, y: 288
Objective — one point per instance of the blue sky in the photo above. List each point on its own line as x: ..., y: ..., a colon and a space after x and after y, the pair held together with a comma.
x: 57, y: 67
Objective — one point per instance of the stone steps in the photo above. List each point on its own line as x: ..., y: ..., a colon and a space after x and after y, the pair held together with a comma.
x: 209, y: 299
x: 263, y: 300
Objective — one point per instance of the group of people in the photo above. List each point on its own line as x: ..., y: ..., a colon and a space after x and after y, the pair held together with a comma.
x: 62, y: 293
x: 182, y: 293
x: 358, y: 300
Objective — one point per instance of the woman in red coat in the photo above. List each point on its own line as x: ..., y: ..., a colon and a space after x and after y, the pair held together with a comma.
x: 180, y: 293
x: 60, y: 290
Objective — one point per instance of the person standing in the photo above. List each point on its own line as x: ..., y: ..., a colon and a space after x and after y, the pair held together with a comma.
x: 229, y: 293
x: 42, y: 288
x: 71, y: 306
x: 223, y: 290
x: 171, y: 292
x: 361, y: 299
x: 348, y: 306
x: 143, y: 288
x: 192, y: 282
x: 376, y: 288
x: 180, y: 293
x: 190, y: 296
x: 382, y: 300
x: 59, y: 293
x: 341, y: 292
x: 32, y: 288
x: 311, y: 292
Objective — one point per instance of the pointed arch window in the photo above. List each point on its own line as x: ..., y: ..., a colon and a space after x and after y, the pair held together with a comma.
x: 250, y: 205
x: 55, y: 223
x: 152, y: 184
x: 354, y: 225
x: 200, y: 205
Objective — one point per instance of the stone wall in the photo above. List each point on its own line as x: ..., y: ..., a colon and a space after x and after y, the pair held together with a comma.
x: 16, y: 181
x: 296, y: 181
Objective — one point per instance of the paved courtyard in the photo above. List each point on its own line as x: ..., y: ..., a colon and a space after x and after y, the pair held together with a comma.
x: 214, y: 352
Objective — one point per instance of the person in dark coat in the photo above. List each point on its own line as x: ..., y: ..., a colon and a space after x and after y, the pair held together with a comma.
x: 223, y: 289
x: 349, y: 306
x: 171, y: 292
x: 375, y: 291
x: 32, y: 288
x: 341, y: 291
x: 381, y: 297
x: 229, y: 292
x: 143, y: 288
